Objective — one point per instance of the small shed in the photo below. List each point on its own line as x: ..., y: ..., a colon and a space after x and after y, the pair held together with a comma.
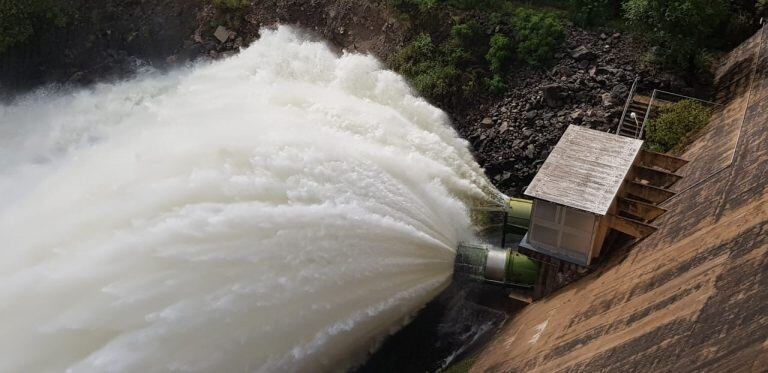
x: 576, y: 191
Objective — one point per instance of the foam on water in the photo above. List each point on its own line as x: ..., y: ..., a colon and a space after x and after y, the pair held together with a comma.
x: 280, y: 210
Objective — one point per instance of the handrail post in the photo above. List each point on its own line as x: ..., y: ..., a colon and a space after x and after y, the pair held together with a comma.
x: 647, y: 114
x: 626, y: 104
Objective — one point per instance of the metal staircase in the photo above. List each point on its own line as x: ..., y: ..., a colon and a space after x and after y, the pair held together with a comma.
x: 632, y: 122
x: 639, y: 109
x: 635, y: 111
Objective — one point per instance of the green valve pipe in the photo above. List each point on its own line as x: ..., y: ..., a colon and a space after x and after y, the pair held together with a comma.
x: 519, y: 212
x: 494, y: 264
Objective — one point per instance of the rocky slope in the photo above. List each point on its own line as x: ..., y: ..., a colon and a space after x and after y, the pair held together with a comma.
x: 588, y: 85
x: 511, y: 134
x: 354, y: 25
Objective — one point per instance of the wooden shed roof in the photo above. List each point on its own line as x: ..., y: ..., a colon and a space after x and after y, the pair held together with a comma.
x: 585, y: 169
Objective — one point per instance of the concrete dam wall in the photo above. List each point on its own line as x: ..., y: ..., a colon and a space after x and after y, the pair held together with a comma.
x: 694, y: 295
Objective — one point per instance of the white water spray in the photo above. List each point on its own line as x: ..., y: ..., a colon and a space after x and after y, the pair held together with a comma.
x: 280, y: 210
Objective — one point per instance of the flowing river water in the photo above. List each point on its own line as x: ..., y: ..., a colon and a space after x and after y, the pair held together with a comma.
x: 280, y: 210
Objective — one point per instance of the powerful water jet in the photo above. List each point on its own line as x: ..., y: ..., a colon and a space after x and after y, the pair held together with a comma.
x: 280, y: 210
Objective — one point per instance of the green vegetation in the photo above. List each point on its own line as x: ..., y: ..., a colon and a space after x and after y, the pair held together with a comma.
x: 538, y: 35
x: 428, y: 67
x: 488, y: 38
x: 458, y: 4
x: 686, y: 31
x: 589, y: 12
x: 496, y: 85
x: 676, y: 126
x: 680, y: 27
x: 500, y: 53
x: 463, y: 49
x: 474, y: 55
x: 20, y: 20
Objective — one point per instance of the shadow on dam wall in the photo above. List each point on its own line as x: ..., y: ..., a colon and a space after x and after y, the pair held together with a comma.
x: 461, y: 320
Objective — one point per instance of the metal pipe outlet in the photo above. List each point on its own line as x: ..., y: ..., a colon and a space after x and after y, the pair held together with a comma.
x: 483, y: 262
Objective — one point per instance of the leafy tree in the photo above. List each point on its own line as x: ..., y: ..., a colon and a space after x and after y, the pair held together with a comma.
x: 682, y: 28
x: 538, y: 35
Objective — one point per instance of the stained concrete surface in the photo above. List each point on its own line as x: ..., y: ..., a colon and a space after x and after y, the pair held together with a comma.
x: 694, y: 295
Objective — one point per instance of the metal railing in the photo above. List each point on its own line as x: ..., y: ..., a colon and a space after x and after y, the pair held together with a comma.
x: 626, y: 105
x: 672, y: 98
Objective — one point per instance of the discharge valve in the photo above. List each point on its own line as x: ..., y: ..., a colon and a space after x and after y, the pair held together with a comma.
x: 489, y: 263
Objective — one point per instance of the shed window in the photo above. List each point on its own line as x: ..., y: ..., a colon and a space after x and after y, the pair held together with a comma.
x: 579, y: 220
x: 546, y: 211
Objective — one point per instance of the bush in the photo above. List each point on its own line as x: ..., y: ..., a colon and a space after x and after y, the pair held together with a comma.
x: 676, y: 125
x: 420, y: 48
x: 435, y: 80
x: 427, y: 68
x: 682, y: 28
x: 500, y: 53
x: 410, y: 7
x: 469, y: 38
x: 470, y: 59
x: 589, y: 12
x: 460, y: 4
x: 538, y: 35
x: 472, y: 4
x: 22, y: 19
x: 496, y: 85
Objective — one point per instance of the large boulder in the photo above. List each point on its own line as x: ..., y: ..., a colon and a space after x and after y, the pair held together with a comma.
x: 222, y: 34
x: 583, y: 54
x: 554, y: 95
x: 607, y: 100
x: 619, y: 91
x: 486, y: 123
